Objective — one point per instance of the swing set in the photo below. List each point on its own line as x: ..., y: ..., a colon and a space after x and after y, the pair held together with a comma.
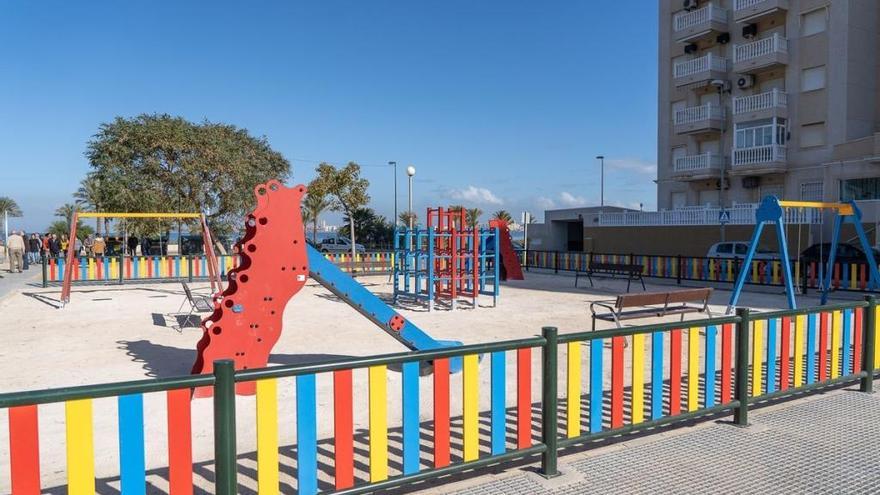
x: 213, y: 271
x: 772, y: 210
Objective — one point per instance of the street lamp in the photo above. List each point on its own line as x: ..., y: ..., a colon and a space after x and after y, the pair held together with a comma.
x: 410, y: 171
x: 601, y: 159
x: 394, y: 164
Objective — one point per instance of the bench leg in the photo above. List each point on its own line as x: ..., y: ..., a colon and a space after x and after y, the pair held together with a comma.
x: 628, y: 281
x: 576, y: 275
x: 591, y: 279
x: 642, y: 280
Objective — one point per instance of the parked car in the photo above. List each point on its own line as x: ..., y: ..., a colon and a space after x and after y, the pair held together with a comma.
x: 738, y: 249
x: 339, y: 245
x: 846, y: 253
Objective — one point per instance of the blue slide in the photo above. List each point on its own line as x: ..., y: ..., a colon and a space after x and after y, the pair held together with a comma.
x: 368, y: 304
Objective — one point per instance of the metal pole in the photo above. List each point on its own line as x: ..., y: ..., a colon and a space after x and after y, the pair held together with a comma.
x: 45, y: 264
x: 396, y: 220
x: 549, y: 420
x: 868, y: 350
x: 741, y: 382
x: 6, y: 233
x: 224, y: 428
x: 409, y: 204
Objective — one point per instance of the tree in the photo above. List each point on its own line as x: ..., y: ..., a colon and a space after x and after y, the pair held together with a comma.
x: 456, y: 208
x: 312, y: 207
x: 66, y: 212
x: 153, y: 163
x: 10, y: 207
x: 90, y: 197
x: 374, y: 230
x: 473, y: 217
x: 348, y: 189
x: 406, y: 216
x: 502, y: 215
x: 61, y: 227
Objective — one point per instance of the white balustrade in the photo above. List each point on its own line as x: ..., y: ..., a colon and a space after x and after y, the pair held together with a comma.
x: 688, y: 19
x: 740, y: 214
x: 763, y: 101
x: 746, y: 4
x: 700, y: 64
x: 758, y: 155
x: 696, y: 114
x: 703, y: 161
x: 759, y: 48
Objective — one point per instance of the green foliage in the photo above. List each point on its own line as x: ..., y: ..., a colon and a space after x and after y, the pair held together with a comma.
x: 312, y: 207
x: 66, y: 212
x: 61, y: 227
x: 405, y: 217
x: 347, y: 189
x: 373, y: 230
x: 155, y: 163
x: 473, y: 217
x: 90, y: 197
x: 502, y: 215
x: 9, y: 205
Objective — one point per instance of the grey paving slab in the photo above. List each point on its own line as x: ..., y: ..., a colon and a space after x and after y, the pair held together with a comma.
x: 821, y: 444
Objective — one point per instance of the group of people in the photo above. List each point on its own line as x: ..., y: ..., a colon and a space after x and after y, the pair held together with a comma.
x: 23, y: 248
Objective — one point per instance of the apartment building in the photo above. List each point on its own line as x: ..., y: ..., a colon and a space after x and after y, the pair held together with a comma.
x: 761, y: 97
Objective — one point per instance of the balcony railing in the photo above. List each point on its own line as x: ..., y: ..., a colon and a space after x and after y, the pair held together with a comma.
x: 763, y: 101
x: 688, y: 19
x: 758, y: 155
x: 696, y: 163
x: 759, y: 48
x: 702, y: 64
x: 696, y: 114
x: 740, y: 214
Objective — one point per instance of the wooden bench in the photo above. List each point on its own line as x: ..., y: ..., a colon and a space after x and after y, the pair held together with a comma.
x: 613, y: 270
x: 652, y: 304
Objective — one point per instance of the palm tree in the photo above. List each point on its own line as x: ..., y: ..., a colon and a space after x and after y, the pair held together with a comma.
x: 89, y: 197
x: 312, y: 207
x: 473, y: 217
x: 406, y: 216
x: 9, y: 206
x: 502, y: 215
x: 66, y: 212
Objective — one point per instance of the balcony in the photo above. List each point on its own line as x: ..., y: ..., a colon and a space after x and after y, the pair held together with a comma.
x: 699, y: 70
x: 698, y: 167
x: 770, y: 159
x: 740, y: 214
x: 704, y: 118
x: 696, y: 24
x: 754, y: 10
x: 762, y: 54
x: 760, y: 106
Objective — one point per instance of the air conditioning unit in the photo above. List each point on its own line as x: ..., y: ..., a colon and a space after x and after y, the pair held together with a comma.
x: 750, y: 31
x: 745, y: 81
x: 690, y: 4
x: 751, y: 182
x: 691, y: 48
x: 723, y: 38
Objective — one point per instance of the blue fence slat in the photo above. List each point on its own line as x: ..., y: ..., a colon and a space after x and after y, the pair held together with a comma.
x: 811, y: 347
x: 656, y: 375
x: 710, y: 366
x: 306, y: 435
x: 410, y: 417
x: 772, y: 326
x: 596, y: 385
x: 498, y: 388
x: 845, y: 342
x: 132, y: 472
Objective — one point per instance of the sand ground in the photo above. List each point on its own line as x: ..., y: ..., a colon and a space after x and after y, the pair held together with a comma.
x: 115, y: 333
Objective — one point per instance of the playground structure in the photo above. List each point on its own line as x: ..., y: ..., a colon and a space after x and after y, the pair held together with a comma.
x: 275, y: 264
x: 511, y: 269
x: 213, y: 271
x: 446, y: 262
x: 771, y: 211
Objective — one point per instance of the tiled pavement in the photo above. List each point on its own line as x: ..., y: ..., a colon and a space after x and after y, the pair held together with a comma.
x: 825, y: 443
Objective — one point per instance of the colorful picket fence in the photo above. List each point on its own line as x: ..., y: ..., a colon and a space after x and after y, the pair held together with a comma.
x: 107, y: 269
x: 846, y: 276
x: 677, y: 371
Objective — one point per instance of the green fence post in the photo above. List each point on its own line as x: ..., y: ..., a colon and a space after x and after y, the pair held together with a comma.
x: 555, y: 261
x: 224, y: 428
x: 45, y: 262
x: 549, y: 421
x: 189, y: 268
x: 121, y: 266
x: 868, y: 331
x: 741, y: 358
x: 678, y: 270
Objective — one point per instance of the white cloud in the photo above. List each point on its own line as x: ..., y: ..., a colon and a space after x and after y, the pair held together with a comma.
x: 545, y: 203
x: 570, y: 200
x: 473, y: 194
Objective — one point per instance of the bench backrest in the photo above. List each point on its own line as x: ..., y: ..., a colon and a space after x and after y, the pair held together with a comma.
x: 618, y: 267
x: 667, y: 297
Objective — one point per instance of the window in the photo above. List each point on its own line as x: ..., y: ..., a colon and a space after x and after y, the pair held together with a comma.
x: 812, y: 135
x: 774, y: 190
x: 759, y: 133
x: 724, y: 248
x: 814, y: 22
x: 851, y: 189
x: 813, y: 78
x: 679, y: 200
x: 812, y: 191
x: 742, y: 249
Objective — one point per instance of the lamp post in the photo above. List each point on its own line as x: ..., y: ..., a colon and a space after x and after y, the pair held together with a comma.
x: 394, y: 164
x: 601, y: 159
x: 410, y: 171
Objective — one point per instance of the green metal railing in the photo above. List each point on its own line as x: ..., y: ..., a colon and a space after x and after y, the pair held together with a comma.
x: 716, y: 336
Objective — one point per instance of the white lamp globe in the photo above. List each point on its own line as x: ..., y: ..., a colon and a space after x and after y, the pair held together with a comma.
x: 410, y: 171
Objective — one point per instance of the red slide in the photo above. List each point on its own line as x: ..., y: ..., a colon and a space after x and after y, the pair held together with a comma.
x: 509, y: 258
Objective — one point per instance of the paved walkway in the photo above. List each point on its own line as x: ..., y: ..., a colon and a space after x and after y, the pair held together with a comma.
x: 824, y: 443
x: 16, y: 281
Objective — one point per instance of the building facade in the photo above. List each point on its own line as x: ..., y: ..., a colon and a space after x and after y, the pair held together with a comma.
x: 761, y: 97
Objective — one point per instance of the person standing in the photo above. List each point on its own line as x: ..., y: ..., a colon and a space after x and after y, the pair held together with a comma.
x: 64, y: 243
x: 24, y: 254
x: 88, y: 244
x: 77, y: 246
x: 99, y: 246
x: 132, y: 245
x: 54, y: 245
x: 34, y: 246
x: 15, y: 247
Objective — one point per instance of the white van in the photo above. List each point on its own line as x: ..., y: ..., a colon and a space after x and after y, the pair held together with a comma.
x: 738, y: 249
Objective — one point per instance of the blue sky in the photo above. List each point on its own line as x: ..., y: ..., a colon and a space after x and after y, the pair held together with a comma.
x: 498, y: 104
